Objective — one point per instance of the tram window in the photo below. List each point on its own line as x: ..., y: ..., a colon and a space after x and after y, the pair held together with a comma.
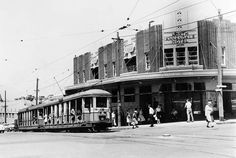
x: 88, y: 102
x: 101, y: 102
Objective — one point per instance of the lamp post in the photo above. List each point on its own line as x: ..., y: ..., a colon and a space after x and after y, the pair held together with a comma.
x: 219, y: 78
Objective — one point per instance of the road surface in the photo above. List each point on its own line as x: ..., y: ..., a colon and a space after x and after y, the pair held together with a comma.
x: 164, y: 140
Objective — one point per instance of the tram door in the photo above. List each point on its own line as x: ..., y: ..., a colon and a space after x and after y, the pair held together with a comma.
x: 88, y: 105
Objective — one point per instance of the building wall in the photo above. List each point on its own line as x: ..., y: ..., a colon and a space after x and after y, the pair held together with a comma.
x: 86, y: 65
x: 101, y: 62
x: 76, y: 76
x: 207, y: 33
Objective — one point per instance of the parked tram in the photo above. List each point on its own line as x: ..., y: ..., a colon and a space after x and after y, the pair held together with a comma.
x: 88, y: 110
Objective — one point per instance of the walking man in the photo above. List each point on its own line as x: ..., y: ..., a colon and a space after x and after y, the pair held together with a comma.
x: 208, y: 112
x: 188, y: 106
x: 151, y: 113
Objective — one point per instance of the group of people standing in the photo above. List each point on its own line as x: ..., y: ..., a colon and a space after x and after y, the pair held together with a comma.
x: 155, y: 115
x: 208, y: 112
x: 135, y: 118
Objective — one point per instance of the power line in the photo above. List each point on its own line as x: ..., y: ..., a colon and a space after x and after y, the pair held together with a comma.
x: 155, y: 31
x: 194, y: 4
x: 128, y: 18
x: 166, y: 6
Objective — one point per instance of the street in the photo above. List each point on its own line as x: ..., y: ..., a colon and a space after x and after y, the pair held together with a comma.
x: 164, y: 140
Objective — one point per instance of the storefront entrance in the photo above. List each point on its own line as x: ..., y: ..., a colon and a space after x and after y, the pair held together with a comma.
x: 175, y: 101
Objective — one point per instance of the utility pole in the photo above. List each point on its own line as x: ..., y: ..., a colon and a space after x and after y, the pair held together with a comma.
x: 5, y: 108
x: 118, y: 39
x: 219, y: 78
x: 118, y: 92
x: 37, y: 91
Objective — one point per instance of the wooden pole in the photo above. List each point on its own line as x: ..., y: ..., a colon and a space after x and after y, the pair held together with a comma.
x: 219, y: 78
x: 5, y: 108
x: 37, y: 91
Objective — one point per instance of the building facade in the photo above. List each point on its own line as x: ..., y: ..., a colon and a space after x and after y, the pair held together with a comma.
x: 164, y: 65
x: 12, y: 108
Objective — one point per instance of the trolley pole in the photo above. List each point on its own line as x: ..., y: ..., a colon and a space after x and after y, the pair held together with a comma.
x: 5, y: 108
x: 37, y: 91
x: 219, y: 77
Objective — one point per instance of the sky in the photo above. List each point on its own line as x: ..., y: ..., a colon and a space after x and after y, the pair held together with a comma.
x: 40, y: 38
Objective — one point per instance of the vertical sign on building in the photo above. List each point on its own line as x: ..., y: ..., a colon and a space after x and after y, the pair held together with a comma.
x: 180, y: 40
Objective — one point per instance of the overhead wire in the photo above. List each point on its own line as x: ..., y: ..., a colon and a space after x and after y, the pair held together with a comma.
x: 162, y: 29
x: 132, y: 11
x: 105, y: 36
x: 194, y: 4
x: 156, y: 11
x: 134, y: 35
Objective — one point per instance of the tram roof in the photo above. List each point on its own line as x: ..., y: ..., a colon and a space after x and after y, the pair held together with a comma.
x: 88, y: 93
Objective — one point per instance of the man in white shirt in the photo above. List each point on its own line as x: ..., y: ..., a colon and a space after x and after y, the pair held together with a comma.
x: 188, y: 106
x: 151, y: 113
x: 208, y: 112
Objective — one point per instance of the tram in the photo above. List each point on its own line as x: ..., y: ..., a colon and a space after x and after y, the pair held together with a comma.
x: 88, y: 110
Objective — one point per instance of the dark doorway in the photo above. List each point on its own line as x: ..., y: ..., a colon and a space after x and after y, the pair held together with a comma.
x: 145, y: 99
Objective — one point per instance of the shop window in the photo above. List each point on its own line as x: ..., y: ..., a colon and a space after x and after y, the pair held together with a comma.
x: 147, y: 61
x: 83, y: 76
x: 78, y: 77
x: 169, y: 57
x: 131, y: 64
x: 114, y: 68
x: 192, y: 56
x: 166, y: 88
x: 228, y: 86
x: 180, y: 52
x: 233, y: 100
x: 199, y: 86
x: 105, y: 70
x: 114, y: 96
x: 145, y: 89
x: 129, y: 95
x: 95, y: 72
x: 183, y: 86
x: 101, y: 102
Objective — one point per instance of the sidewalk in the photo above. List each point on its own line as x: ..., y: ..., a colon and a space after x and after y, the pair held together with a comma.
x: 176, y: 124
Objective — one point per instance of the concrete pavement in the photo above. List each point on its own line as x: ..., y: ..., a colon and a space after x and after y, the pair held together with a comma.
x: 180, y: 139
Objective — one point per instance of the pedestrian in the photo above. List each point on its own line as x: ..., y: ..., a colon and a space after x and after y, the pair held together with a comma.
x: 79, y: 116
x: 45, y: 119
x: 128, y: 118
x: 135, y: 119
x: 174, y: 115
x: 188, y: 106
x: 208, y: 114
x: 158, y: 114
x: 72, y: 113
x: 151, y: 113
x: 141, y: 118
x: 113, y: 117
x: 50, y: 118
